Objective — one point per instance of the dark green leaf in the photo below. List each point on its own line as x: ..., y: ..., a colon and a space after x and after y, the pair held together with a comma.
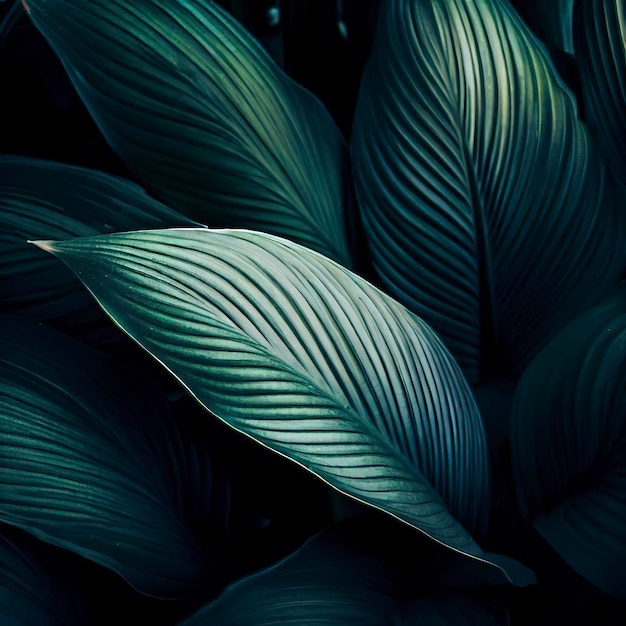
x: 91, y: 460
x: 600, y: 31
x: 569, y: 444
x: 34, y: 590
x: 551, y: 21
x: 43, y: 199
x: 200, y: 112
x: 307, y: 358
x: 484, y: 200
x: 345, y: 576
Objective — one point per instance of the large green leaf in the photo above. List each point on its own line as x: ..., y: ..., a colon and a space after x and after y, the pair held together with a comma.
x: 43, y: 199
x: 203, y: 116
x: 600, y: 37
x: 307, y: 358
x: 483, y: 198
x: 345, y: 576
x: 91, y: 460
x: 569, y: 444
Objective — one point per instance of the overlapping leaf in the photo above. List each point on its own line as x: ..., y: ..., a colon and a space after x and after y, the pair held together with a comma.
x: 484, y: 199
x: 307, y: 358
x: 91, y: 460
x: 551, y: 21
x: 341, y: 579
x: 600, y: 31
x: 569, y: 444
x: 43, y: 199
x: 33, y: 591
x: 203, y: 116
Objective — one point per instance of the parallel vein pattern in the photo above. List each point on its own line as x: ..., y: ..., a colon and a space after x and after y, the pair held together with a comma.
x: 203, y: 116
x: 46, y: 200
x: 480, y: 189
x: 307, y: 358
x: 600, y: 31
x: 95, y: 464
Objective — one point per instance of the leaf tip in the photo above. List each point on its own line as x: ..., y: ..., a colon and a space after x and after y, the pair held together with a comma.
x: 47, y: 245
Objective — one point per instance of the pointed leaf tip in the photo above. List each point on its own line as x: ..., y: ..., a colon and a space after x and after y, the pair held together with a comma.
x: 47, y: 245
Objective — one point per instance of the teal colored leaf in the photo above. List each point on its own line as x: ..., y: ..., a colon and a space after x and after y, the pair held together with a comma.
x: 307, y: 358
x: 339, y: 579
x: 483, y: 198
x: 600, y: 32
x: 91, y: 460
x: 203, y: 116
x: 43, y: 199
x: 568, y: 444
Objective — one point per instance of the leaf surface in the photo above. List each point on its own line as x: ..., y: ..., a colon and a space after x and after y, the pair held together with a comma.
x: 34, y: 589
x: 484, y: 200
x: 43, y: 199
x: 307, y: 358
x: 568, y: 443
x: 600, y: 31
x: 202, y: 115
x: 343, y: 577
x: 91, y: 460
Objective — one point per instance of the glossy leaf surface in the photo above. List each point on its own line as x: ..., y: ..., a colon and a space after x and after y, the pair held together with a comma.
x: 569, y: 444
x: 44, y: 199
x: 202, y: 115
x: 484, y: 199
x: 91, y: 460
x: 308, y: 359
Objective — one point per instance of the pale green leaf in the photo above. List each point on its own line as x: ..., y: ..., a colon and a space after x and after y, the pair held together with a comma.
x: 307, y: 358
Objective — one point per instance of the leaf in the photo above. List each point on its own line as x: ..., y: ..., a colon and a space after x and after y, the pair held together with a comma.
x: 307, y: 358
x: 337, y: 578
x: 43, y: 199
x: 91, y: 460
x: 551, y: 21
x: 484, y: 200
x: 36, y: 590
x: 600, y: 36
x: 568, y: 443
x: 203, y: 116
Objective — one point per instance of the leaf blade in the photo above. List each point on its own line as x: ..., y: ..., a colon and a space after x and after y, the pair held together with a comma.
x: 479, y: 186
x: 203, y: 116
x: 43, y: 199
x: 289, y: 348
x: 567, y: 444
x: 92, y: 461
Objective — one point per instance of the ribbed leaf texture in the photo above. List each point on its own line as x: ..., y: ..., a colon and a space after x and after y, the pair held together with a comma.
x: 91, y: 460
x: 43, y: 199
x: 336, y: 579
x: 307, y: 358
x: 203, y: 116
x: 568, y: 444
x: 483, y: 197
x: 600, y: 39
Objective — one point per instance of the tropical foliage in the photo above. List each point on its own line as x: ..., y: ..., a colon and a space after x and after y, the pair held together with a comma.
x: 412, y: 302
